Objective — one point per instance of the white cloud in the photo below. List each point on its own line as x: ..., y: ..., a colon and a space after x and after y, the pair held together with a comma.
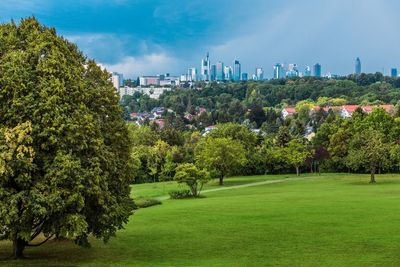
x: 150, y: 64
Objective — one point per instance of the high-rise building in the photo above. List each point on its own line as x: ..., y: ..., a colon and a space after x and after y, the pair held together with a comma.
x: 213, y: 73
x: 307, y: 72
x: 117, y: 80
x: 192, y: 74
x: 220, y: 71
x: 317, y: 70
x: 205, y: 68
x: 278, y: 71
x: 237, y: 72
x: 292, y: 71
x: 228, y: 73
x: 245, y: 76
x: 358, y: 66
x: 259, y: 74
x: 394, y: 73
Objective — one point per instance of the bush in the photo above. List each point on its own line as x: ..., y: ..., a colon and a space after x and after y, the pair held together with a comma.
x: 145, y: 203
x: 180, y: 194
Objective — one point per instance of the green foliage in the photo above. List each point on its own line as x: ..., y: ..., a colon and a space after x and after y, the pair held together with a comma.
x: 146, y: 203
x: 194, y: 178
x: 180, y: 194
x: 220, y: 156
x: 65, y: 157
x: 368, y: 150
x: 296, y: 154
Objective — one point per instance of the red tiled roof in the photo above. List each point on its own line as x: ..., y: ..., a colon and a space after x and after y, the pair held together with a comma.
x: 368, y: 109
x: 388, y: 108
x: 350, y: 108
x: 290, y: 110
x: 326, y: 108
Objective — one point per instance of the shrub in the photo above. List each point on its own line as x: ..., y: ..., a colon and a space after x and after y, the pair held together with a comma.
x: 180, y: 194
x: 145, y: 203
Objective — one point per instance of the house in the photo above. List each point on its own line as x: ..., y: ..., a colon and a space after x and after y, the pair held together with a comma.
x: 189, y: 116
x: 289, y: 111
x: 157, y: 112
x: 133, y: 115
x: 160, y: 123
x: 318, y: 108
x: 201, y: 111
x: 387, y: 108
x: 347, y: 111
x: 208, y: 129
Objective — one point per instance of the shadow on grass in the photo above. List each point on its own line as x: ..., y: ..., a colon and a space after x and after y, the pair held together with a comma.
x: 54, y: 253
x: 366, y: 182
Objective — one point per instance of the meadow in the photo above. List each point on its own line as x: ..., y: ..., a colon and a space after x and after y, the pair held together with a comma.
x: 321, y: 220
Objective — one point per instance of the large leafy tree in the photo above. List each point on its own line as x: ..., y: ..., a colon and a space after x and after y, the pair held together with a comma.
x: 296, y: 154
x: 220, y: 156
x: 368, y: 150
x: 65, y: 164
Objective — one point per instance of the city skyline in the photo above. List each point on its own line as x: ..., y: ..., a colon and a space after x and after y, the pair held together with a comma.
x: 144, y: 37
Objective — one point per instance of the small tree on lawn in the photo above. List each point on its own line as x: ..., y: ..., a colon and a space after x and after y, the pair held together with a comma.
x: 222, y: 156
x: 296, y: 153
x: 193, y: 177
x: 369, y: 151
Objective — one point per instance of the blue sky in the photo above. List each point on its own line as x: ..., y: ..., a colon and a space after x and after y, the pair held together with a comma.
x: 139, y: 37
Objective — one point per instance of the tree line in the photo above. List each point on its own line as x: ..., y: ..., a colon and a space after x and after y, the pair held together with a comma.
x: 364, y: 143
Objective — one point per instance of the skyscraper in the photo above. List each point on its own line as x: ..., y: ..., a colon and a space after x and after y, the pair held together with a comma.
x: 317, y: 70
x: 307, y: 72
x: 292, y: 71
x: 245, y: 76
x: 394, y: 73
x: 278, y: 71
x: 220, y: 71
x: 228, y: 73
x: 237, y: 72
x: 213, y: 73
x: 205, y: 68
x: 358, y: 66
x: 192, y: 74
x: 259, y: 74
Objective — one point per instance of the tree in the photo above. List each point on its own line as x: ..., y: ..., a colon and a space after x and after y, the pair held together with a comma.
x: 157, y: 158
x: 65, y: 157
x: 257, y: 115
x: 221, y: 156
x: 368, y: 150
x: 194, y: 178
x: 296, y: 154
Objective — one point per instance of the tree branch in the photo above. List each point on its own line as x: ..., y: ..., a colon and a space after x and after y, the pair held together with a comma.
x: 41, y: 243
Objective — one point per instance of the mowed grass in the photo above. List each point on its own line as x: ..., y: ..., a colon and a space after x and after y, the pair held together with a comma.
x: 155, y: 190
x: 329, y: 220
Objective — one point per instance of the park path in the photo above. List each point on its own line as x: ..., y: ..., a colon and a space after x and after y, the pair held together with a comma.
x: 249, y: 185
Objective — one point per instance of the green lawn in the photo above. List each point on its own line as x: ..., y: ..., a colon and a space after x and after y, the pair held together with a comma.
x: 155, y: 190
x: 337, y: 221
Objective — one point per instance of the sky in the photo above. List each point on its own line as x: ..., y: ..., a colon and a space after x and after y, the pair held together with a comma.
x: 149, y: 37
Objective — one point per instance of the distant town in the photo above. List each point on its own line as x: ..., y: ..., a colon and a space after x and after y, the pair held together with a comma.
x: 155, y: 85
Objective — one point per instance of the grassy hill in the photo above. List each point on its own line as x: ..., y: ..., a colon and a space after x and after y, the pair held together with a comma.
x: 327, y: 220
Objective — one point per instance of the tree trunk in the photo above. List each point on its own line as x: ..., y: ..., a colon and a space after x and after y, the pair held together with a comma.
x: 221, y: 180
x: 373, y: 181
x: 297, y: 171
x: 18, y: 248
